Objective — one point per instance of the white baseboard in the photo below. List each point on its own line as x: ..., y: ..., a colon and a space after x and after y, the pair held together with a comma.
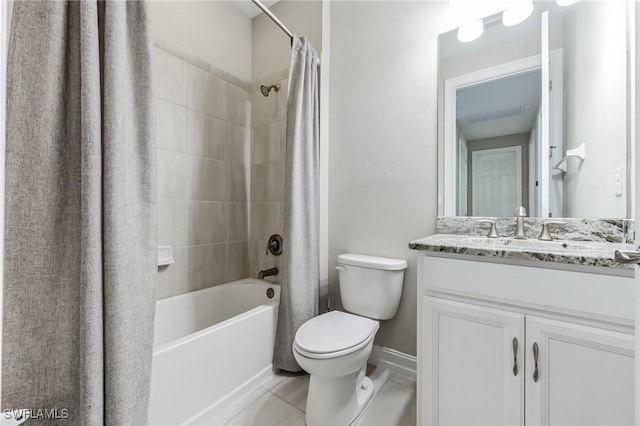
x: 401, y: 365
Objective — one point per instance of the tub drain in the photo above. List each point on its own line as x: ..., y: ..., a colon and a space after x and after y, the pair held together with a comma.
x: 270, y: 293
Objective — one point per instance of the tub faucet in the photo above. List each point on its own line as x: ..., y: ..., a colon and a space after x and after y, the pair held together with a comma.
x: 520, y: 213
x: 267, y: 272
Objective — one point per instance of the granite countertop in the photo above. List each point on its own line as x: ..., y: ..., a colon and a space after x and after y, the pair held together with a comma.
x: 590, y: 253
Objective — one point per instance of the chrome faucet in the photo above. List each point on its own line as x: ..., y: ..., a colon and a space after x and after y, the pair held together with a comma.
x: 544, y: 234
x: 267, y: 273
x: 493, y: 233
x: 520, y: 213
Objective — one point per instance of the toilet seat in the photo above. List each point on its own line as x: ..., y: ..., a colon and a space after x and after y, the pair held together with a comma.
x: 334, y: 334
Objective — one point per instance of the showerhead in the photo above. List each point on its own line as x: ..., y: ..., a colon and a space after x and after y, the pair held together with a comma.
x: 266, y: 89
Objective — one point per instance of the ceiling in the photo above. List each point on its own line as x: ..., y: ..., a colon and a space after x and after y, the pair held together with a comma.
x: 251, y: 10
x: 504, y: 106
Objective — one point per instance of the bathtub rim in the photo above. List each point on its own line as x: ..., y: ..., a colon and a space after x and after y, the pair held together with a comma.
x: 223, y: 324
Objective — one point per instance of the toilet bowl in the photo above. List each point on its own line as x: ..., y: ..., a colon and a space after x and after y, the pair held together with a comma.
x: 334, y: 347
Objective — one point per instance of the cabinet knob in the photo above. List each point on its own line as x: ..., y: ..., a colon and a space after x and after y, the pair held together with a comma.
x: 535, y: 362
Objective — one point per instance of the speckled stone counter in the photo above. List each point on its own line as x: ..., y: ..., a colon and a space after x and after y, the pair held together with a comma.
x: 588, y: 253
x: 601, y: 230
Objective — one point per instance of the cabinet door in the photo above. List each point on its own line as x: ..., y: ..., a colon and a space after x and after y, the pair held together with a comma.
x: 468, y: 371
x: 585, y: 375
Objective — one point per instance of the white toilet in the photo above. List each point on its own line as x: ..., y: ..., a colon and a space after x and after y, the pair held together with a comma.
x: 334, y: 347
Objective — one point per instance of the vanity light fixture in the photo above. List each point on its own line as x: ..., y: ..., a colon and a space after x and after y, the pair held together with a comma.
x: 566, y: 2
x: 470, y: 30
x: 516, y: 12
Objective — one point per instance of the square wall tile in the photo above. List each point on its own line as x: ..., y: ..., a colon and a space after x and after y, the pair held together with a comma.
x: 268, y: 143
x: 171, y: 278
x: 238, y: 261
x: 198, y: 88
x: 172, y: 174
x: 237, y: 222
x: 266, y: 220
x: 206, y: 265
x: 216, y: 177
x: 219, y: 139
x: 170, y: 73
x: 267, y: 182
x: 239, y: 106
x: 172, y: 222
x: 218, y: 97
x: 206, y: 223
x: 208, y: 179
x: 208, y: 93
x: 238, y: 183
x: 171, y: 126
x: 198, y: 133
x: 239, y: 145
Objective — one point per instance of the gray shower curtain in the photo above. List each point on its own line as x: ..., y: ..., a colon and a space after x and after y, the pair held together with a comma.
x: 80, y: 243
x: 301, y: 267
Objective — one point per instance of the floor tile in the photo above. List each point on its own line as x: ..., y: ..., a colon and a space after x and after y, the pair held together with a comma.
x: 237, y: 407
x: 281, y: 401
x: 269, y: 410
x: 276, y: 379
x: 293, y: 390
x: 394, y: 405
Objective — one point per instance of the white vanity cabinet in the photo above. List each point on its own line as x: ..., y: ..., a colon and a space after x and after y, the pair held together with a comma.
x: 467, y: 366
x: 585, y: 375
x: 479, y: 324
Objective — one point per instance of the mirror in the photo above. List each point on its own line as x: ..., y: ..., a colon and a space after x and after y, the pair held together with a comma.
x: 537, y: 115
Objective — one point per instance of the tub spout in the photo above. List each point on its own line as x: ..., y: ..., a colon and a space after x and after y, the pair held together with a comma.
x: 267, y: 273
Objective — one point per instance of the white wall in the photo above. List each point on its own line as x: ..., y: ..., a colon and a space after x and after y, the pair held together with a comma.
x: 215, y: 31
x: 595, y: 95
x: 383, y: 149
x: 271, y: 45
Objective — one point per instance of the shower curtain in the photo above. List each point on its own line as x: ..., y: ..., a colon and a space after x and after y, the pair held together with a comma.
x: 301, y: 267
x: 80, y: 242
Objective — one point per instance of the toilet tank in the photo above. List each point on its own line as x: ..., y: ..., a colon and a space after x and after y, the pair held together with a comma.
x: 371, y: 286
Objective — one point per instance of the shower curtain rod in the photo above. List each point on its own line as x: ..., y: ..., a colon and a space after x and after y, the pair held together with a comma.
x: 274, y: 18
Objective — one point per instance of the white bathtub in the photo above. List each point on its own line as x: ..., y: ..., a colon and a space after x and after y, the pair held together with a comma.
x: 210, y: 345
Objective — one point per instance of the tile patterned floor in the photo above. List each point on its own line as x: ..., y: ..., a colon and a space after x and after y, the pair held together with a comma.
x: 281, y: 401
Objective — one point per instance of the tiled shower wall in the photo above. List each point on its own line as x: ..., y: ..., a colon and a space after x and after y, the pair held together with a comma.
x: 204, y: 138
x: 268, y: 120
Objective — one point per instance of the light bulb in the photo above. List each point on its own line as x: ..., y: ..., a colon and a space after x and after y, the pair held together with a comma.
x: 470, y: 30
x: 566, y: 2
x: 516, y: 12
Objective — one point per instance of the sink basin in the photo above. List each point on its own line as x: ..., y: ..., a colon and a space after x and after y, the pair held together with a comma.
x: 557, y: 245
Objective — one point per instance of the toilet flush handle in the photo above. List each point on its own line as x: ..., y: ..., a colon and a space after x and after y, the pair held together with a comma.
x: 341, y: 268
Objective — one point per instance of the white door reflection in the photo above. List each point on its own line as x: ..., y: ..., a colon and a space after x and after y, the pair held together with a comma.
x: 497, y: 181
x: 497, y: 122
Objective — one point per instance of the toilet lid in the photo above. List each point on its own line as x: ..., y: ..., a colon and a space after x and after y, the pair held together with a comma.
x: 334, y: 331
